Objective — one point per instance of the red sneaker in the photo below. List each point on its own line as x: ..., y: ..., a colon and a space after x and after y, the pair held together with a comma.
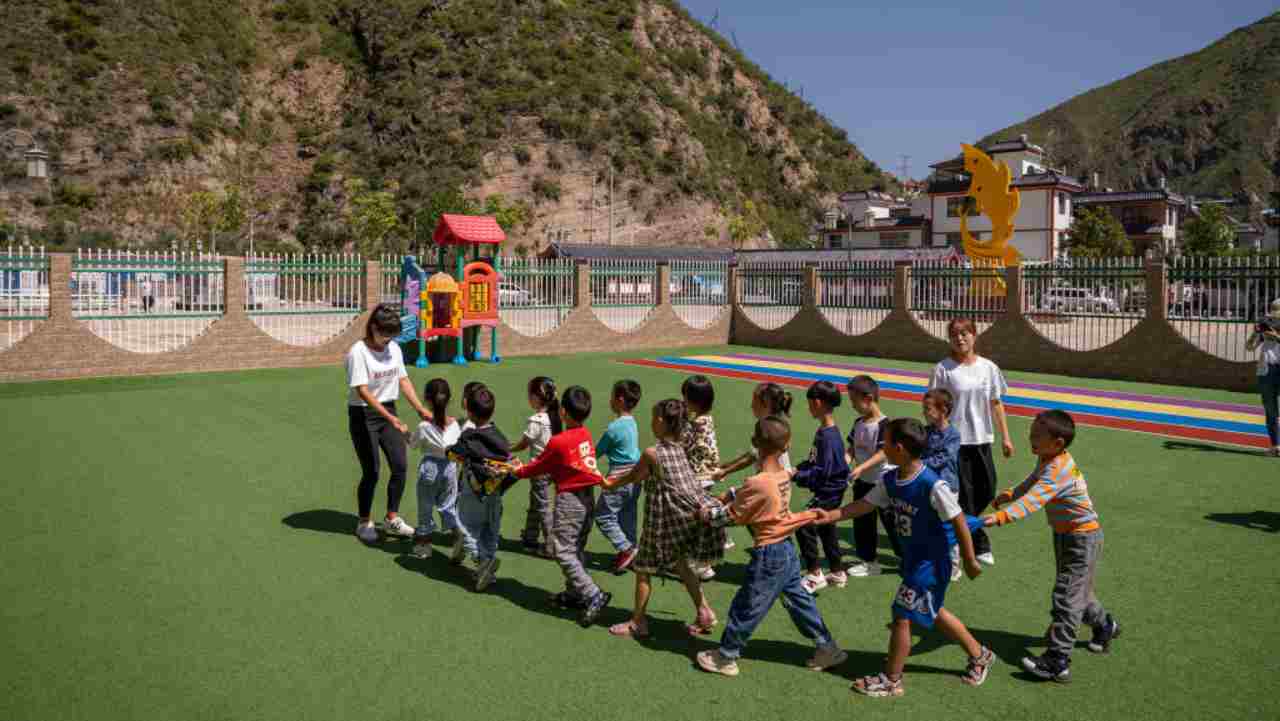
x: 623, y: 560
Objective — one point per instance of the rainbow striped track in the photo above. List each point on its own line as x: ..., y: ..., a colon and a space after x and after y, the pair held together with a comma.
x: 1227, y: 423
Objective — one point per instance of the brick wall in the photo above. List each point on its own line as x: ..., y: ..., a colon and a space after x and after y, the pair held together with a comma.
x: 63, y: 347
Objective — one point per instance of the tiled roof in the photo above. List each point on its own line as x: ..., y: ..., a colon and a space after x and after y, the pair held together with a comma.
x: 826, y: 256
x: 1128, y: 196
x: 1048, y: 178
x: 587, y: 251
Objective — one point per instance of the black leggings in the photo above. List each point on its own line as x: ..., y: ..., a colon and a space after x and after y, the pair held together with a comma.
x: 369, y: 430
x: 809, y: 536
x: 977, y: 487
x: 866, y: 540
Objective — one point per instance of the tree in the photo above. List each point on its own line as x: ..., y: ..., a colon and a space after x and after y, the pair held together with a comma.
x: 746, y: 225
x: 1095, y: 233
x: 1209, y: 234
x: 508, y: 215
x: 438, y: 203
x: 372, y: 218
x: 199, y: 216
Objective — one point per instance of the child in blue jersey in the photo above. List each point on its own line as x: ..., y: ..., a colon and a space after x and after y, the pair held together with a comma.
x: 620, y: 444
x: 928, y: 520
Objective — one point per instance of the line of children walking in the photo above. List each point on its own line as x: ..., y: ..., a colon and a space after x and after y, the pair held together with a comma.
x: 465, y: 470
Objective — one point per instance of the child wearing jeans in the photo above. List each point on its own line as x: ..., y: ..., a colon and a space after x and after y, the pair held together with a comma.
x: 570, y: 461
x: 929, y: 522
x: 543, y: 424
x: 620, y: 445
x: 437, y: 475
x: 1058, y: 486
x: 826, y: 474
x: 673, y: 536
x: 479, y: 452
x: 763, y: 506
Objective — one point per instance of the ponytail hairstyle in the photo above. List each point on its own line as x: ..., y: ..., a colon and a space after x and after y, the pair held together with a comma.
x: 674, y: 416
x: 437, y: 394
x: 384, y: 319
x: 776, y: 401
x: 543, y: 389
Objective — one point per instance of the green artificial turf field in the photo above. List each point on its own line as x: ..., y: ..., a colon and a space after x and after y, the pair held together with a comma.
x: 181, y: 548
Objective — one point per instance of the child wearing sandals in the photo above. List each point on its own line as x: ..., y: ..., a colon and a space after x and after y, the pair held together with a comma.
x: 763, y: 506
x: 672, y: 536
x: 929, y: 522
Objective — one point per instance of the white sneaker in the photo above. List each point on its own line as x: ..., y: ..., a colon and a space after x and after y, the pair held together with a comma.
x: 705, y: 573
x: 422, y: 550
x: 729, y: 545
x: 838, y: 579
x: 863, y: 569
x: 814, y: 582
x: 485, y: 573
x: 826, y: 657
x: 367, y: 533
x: 714, y: 662
x: 956, y: 573
x: 397, y: 527
x: 458, y: 553
x: 987, y: 559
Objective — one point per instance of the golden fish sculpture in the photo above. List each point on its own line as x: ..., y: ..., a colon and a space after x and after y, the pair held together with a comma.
x: 992, y: 196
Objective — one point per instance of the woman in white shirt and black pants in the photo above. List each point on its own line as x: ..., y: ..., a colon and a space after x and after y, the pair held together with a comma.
x: 978, y: 387
x: 375, y: 378
x: 1266, y: 340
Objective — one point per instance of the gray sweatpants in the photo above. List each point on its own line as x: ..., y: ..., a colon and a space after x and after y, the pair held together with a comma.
x: 1077, y: 557
x: 537, y: 519
x: 570, y: 525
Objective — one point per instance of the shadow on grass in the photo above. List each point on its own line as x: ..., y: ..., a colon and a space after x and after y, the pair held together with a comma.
x: 1210, y: 448
x: 1266, y: 521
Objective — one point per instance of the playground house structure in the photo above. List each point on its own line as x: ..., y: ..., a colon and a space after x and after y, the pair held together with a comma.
x: 454, y: 306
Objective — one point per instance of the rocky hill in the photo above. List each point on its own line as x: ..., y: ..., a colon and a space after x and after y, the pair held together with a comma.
x: 270, y: 107
x: 1208, y: 121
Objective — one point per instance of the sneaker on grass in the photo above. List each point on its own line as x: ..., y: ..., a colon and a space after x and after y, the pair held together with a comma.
x: 1104, y: 635
x: 863, y: 569
x: 486, y: 571
x: 594, y: 607
x: 716, y: 662
x: 458, y: 553
x: 987, y: 559
x: 1048, y: 667
x: 422, y: 549
x: 397, y: 527
x: 367, y: 533
x: 826, y: 657
x: 623, y: 560
x: 839, y: 579
x: 814, y: 582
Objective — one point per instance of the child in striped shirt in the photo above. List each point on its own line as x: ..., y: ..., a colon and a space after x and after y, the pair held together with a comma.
x: 1058, y: 486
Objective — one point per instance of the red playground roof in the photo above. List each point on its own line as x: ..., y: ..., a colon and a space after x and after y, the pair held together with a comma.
x: 468, y: 230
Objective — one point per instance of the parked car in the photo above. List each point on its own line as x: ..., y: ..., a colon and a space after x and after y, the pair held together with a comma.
x: 1077, y: 300
x: 511, y: 295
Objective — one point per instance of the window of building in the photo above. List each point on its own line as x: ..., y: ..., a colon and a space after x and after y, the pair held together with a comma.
x: 954, y: 205
x: 894, y: 240
x: 1128, y: 215
x: 835, y: 241
x: 1063, y: 207
x: 954, y: 240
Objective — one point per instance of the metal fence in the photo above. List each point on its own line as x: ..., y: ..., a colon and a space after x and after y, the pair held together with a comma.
x: 535, y: 295
x: 770, y: 294
x: 24, y: 292
x: 304, y: 300
x: 1215, y: 302
x: 1085, y: 304
x: 699, y: 291
x: 855, y: 296
x: 942, y: 290
x: 623, y: 292
x: 146, y: 302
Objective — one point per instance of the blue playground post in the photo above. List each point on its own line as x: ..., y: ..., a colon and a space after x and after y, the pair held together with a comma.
x: 493, y: 337
x: 460, y: 357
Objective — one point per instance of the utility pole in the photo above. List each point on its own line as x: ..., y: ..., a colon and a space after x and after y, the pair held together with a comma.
x: 906, y: 167
x: 593, y: 209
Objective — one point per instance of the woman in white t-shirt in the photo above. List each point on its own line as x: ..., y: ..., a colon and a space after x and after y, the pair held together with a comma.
x: 978, y: 387
x: 1266, y: 340
x: 375, y: 379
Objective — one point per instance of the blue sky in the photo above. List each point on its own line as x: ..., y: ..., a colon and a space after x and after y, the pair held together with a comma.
x: 920, y: 78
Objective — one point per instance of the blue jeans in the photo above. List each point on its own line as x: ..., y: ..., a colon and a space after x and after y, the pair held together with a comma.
x: 773, y: 571
x: 1269, y: 387
x: 437, y: 491
x: 616, y: 516
x: 481, y: 522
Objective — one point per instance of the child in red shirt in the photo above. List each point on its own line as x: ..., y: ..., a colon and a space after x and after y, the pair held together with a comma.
x: 570, y: 461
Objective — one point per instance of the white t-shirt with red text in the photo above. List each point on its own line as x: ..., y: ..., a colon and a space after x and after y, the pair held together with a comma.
x: 381, y: 371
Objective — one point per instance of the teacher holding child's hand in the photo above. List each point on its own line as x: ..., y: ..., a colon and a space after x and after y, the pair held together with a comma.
x: 1266, y: 340
x: 375, y: 379
x: 978, y: 387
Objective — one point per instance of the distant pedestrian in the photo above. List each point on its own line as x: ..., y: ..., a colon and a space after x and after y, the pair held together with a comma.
x: 148, y: 295
x: 1266, y: 340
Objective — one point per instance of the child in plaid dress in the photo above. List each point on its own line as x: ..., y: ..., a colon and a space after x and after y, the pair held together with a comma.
x: 672, y: 536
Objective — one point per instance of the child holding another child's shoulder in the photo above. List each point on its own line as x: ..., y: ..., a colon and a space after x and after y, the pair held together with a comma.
x: 570, y: 461
x: 930, y: 522
x: 480, y: 452
x: 763, y: 505
x: 942, y: 444
x: 620, y: 446
x: 826, y: 474
x: 1058, y: 486
x: 866, y: 455
x: 437, y: 475
x: 542, y: 425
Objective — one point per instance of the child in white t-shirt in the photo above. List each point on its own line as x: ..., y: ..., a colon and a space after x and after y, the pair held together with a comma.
x: 437, y: 475
x: 543, y: 424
